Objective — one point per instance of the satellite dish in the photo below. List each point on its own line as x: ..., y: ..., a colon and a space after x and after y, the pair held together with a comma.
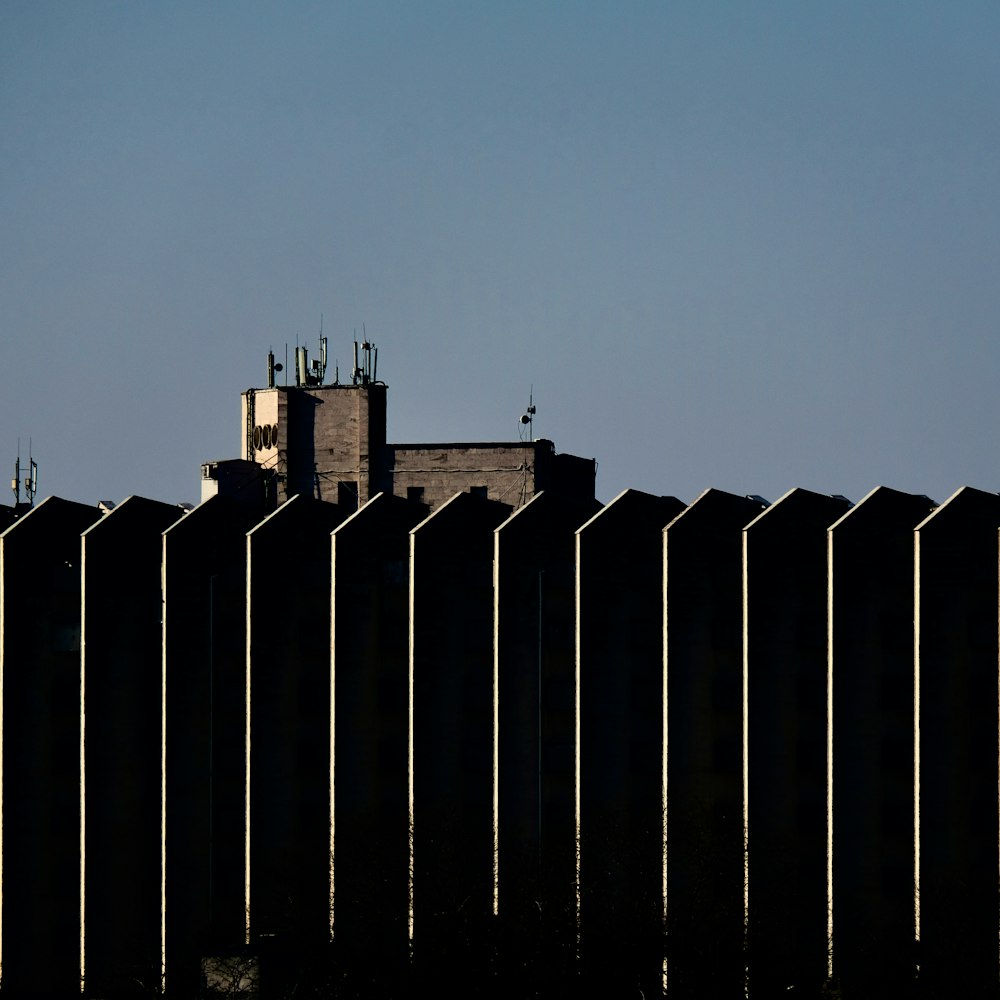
x: 279, y: 367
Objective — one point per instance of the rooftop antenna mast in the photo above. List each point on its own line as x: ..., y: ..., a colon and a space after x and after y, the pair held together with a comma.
x: 320, y: 366
x: 273, y: 366
x: 365, y: 368
x: 30, y: 480
x: 528, y: 417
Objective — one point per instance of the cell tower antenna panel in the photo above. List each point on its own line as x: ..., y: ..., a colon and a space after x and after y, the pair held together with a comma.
x: 321, y: 367
x: 31, y: 483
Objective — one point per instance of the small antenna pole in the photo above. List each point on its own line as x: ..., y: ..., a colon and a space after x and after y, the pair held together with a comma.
x: 31, y: 483
x: 321, y: 371
x: 527, y: 418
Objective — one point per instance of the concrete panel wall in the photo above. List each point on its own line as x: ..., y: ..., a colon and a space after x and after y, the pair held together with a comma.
x: 703, y: 719
x: 452, y: 735
x: 204, y: 664
x: 288, y: 663
x: 122, y: 691
x: 785, y: 660
x: 502, y: 639
x: 956, y: 664
x: 40, y: 787
x: 344, y: 429
x: 506, y: 471
x: 870, y: 553
x: 370, y: 663
x: 327, y: 436
x: 535, y: 652
x: 619, y: 565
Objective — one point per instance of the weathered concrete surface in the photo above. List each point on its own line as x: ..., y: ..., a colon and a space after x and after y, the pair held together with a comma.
x: 122, y: 685
x: 40, y: 743
x: 512, y: 472
x: 619, y: 566
x: 330, y: 439
x: 452, y: 758
x: 871, y: 677
x: 329, y: 442
x: 204, y: 663
x: 370, y: 663
x: 956, y: 662
x: 288, y: 664
x: 702, y: 768
x: 535, y: 655
x: 785, y: 660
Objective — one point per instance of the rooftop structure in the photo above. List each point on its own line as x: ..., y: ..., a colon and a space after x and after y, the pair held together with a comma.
x: 328, y: 441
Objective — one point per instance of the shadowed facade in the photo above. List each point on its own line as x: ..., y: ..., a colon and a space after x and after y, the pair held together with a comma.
x: 204, y: 664
x: 642, y: 746
x: 871, y: 682
x: 703, y: 739
x: 785, y: 659
x: 534, y: 650
x: 288, y: 680
x: 122, y: 694
x: 40, y: 671
x: 370, y: 664
x: 956, y: 714
x: 619, y: 567
x: 452, y: 731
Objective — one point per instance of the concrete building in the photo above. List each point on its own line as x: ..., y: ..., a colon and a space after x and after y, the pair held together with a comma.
x: 122, y: 711
x: 871, y: 701
x: 452, y: 745
x: 40, y: 777
x: 703, y: 795
x: 328, y: 441
x: 619, y: 691
x: 535, y: 655
x: 483, y: 732
x: 288, y: 741
x: 956, y: 743
x: 785, y: 664
x: 204, y: 667
x: 370, y: 775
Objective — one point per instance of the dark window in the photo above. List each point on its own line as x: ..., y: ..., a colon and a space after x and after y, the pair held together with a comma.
x: 415, y: 493
x: 478, y: 491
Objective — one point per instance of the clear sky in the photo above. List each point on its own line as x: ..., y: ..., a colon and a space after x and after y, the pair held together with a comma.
x: 748, y: 245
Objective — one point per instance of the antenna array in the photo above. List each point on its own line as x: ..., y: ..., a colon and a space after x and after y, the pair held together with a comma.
x: 30, y: 482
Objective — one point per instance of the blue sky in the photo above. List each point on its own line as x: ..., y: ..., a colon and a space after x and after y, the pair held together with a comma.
x: 743, y: 245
